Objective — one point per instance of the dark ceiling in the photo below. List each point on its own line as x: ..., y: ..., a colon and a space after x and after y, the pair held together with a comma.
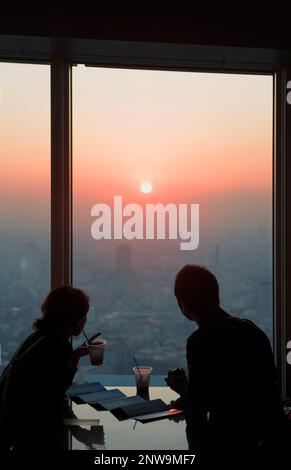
x: 167, y: 22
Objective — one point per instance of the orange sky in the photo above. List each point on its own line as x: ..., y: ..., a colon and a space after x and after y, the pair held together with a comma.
x: 192, y: 135
x: 186, y: 133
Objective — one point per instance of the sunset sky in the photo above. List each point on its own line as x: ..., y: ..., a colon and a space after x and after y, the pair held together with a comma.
x: 195, y: 137
x: 186, y: 133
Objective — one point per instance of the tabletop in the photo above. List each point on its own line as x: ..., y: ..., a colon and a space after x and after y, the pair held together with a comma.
x: 94, y: 429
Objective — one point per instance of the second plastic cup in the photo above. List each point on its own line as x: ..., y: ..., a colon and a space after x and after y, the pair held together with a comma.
x: 142, y: 379
x: 96, y: 351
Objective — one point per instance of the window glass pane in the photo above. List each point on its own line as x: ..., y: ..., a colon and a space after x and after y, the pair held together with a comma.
x: 25, y: 199
x: 198, y: 139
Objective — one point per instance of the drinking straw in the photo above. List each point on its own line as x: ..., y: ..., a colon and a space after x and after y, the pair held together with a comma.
x: 98, y: 334
x: 86, y: 336
x: 135, y: 361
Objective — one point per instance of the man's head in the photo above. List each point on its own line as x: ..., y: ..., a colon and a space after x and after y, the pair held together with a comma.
x: 197, y: 292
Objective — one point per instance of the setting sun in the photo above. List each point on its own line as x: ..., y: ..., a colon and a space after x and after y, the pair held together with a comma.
x: 146, y: 187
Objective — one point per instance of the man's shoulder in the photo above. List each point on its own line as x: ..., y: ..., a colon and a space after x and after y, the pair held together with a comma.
x: 243, y: 325
x: 194, y: 338
x: 231, y: 326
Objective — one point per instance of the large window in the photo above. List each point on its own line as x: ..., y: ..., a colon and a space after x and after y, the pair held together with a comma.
x: 197, y: 139
x: 25, y: 199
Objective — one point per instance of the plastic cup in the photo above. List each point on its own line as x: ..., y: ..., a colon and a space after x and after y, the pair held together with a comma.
x: 96, y: 351
x: 142, y: 379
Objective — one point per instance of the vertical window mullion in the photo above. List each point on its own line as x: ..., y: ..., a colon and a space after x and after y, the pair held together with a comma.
x: 282, y: 227
x: 61, y: 171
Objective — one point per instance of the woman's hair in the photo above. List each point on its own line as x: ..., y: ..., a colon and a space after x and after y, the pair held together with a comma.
x: 62, y: 308
x: 197, y: 287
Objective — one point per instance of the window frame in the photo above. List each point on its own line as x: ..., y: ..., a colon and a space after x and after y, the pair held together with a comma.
x: 63, y: 54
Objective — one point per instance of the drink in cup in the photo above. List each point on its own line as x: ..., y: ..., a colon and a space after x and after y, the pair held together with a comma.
x: 142, y: 379
x: 96, y: 351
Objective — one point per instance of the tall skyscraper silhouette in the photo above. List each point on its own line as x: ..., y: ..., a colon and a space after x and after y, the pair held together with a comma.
x: 123, y: 258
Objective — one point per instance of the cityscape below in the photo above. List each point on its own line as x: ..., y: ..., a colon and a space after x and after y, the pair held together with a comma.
x: 130, y: 285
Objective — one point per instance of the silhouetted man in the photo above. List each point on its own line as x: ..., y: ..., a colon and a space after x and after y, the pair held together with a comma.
x: 231, y: 399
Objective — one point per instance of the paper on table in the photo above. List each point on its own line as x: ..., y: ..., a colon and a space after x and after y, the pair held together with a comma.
x: 140, y: 409
x: 119, y: 402
x: 80, y: 389
x: 158, y: 415
x: 95, y: 398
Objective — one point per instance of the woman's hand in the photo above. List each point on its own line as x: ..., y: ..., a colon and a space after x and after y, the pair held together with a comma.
x: 81, y: 351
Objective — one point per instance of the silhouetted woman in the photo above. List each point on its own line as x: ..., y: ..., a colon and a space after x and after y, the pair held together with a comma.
x: 33, y: 385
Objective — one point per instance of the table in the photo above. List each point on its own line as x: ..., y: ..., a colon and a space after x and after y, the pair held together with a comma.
x: 106, y: 432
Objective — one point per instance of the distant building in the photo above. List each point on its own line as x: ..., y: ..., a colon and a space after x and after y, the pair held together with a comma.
x: 28, y: 258
x: 123, y: 258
